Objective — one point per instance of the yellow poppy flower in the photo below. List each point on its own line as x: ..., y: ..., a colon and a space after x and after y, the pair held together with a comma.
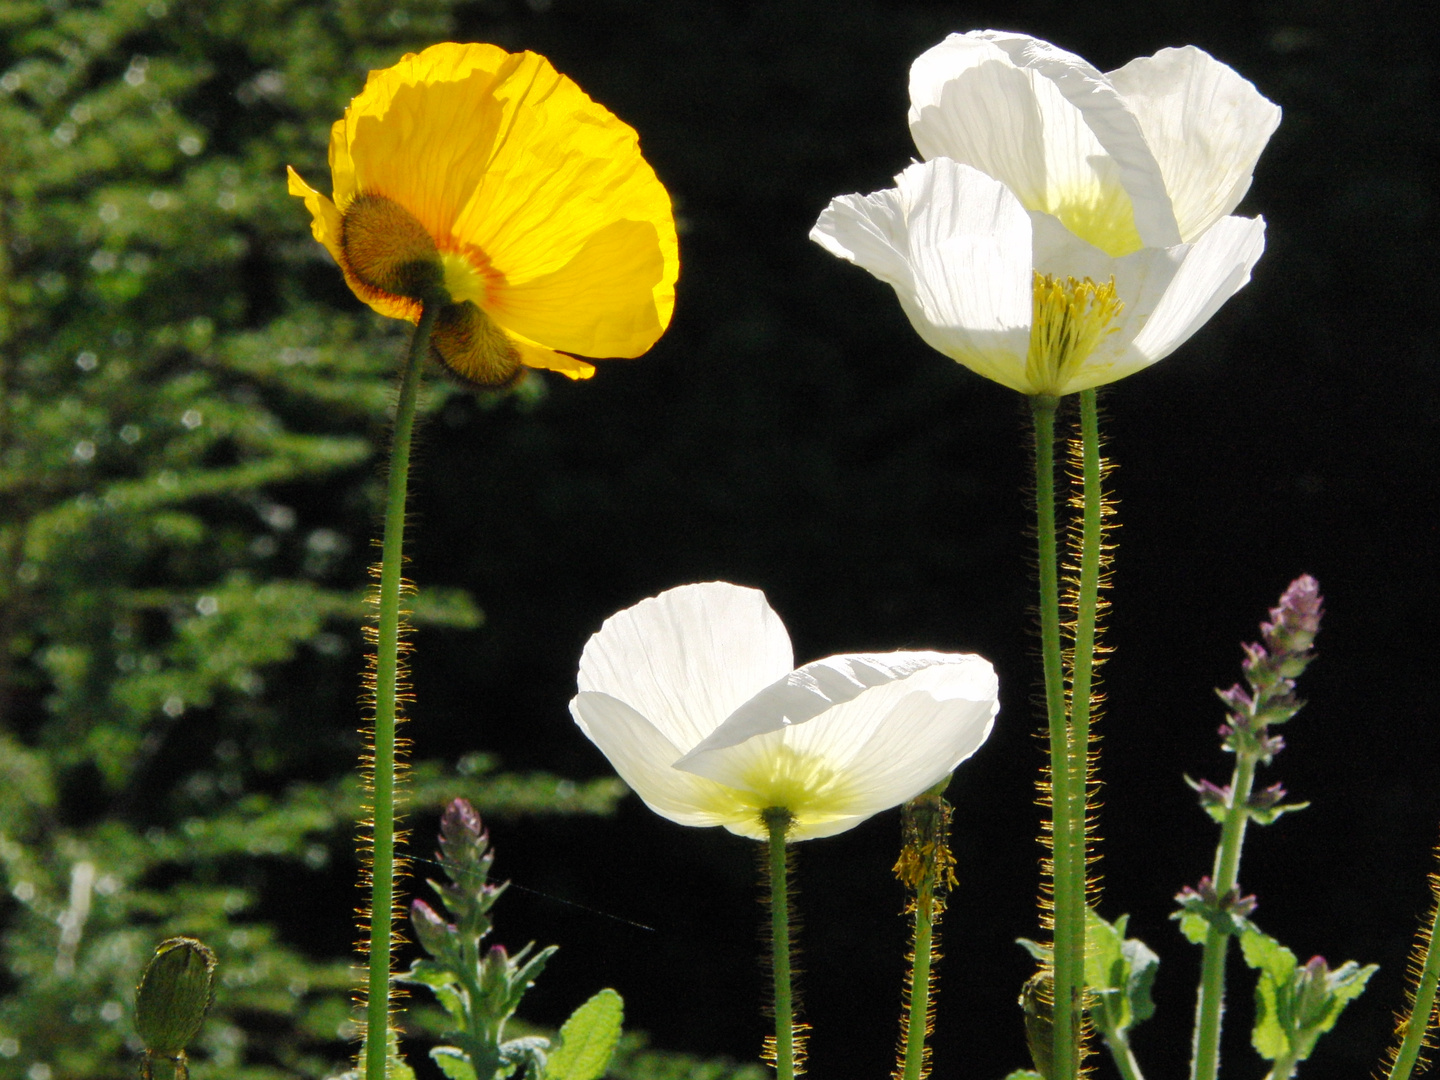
x: 491, y: 183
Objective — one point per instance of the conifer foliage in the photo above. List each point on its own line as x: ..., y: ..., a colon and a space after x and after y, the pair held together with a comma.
x: 178, y: 592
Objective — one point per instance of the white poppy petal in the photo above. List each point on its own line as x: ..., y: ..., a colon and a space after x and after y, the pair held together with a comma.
x: 890, y: 742
x: 808, y: 691
x: 1206, y: 126
x: 643, y: 757
x: 1114, y: 126
x: 970, y: 249
x: 688, y: 658
x: 1142, y: 280
x: 1216, y: 267
x: 869, y: 231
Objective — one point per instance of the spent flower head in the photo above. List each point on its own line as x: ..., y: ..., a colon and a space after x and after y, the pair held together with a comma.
x: 1067, y: 227
x: 490, y: 183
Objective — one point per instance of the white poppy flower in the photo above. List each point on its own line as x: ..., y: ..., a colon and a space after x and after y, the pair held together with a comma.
x: 1069, y: 227
x: 692, y: 697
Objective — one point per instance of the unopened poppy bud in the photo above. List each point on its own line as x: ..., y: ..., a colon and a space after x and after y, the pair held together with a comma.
x: 173, y: 995
x: 1037, y: 1002
x: 386, y: 248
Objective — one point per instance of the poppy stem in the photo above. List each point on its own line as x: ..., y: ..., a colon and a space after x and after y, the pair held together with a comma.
x: 1425, y: 972
x: 926, y: 867
x: 387, y: 668
x: 1067, y: 838
x: 782, y: 1051
x: 1086, y: 611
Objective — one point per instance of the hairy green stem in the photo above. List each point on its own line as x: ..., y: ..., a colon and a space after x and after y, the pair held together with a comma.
x: 926, y: 843
x: 1067, y: 836
x: 1422, y: 1008
x: 387, y: 665
x: 1087, y: 604
x: 1210, y: 1005
x: 777, y: 819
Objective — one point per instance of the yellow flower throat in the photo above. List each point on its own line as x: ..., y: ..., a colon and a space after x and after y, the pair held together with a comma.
x: 1069, y: 319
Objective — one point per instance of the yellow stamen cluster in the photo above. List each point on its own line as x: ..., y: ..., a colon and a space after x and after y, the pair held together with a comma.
x: 1069, y: 319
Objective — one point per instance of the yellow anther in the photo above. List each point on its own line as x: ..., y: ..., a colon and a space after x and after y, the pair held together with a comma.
x: 1070, y: 318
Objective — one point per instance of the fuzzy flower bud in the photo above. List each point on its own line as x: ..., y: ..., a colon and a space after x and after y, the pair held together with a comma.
x: 174, y: 995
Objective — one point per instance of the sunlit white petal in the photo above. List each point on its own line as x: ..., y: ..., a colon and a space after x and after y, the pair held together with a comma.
x: 1215, y: 268
x: 688, y: 658
x: 642, y: 756
x: 1206, y: 126
x: 963, y: 241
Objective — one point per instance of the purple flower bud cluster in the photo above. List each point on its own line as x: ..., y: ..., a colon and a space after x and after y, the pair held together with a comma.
x: 1271, y: 668
x: 1204, y: 900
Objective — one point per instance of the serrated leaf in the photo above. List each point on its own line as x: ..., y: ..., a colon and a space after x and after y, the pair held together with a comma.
x: 1267, y: 955
x: 1268, y: 1036
x: 1120, y: 972
x: 588, y: 1039
x: 1195, y: 927
x: 453, y: 1062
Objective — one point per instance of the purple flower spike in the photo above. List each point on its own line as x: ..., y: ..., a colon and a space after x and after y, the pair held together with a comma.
x: 1294, y: 624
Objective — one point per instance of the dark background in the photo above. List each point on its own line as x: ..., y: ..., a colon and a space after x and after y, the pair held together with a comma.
x: 791, y: 432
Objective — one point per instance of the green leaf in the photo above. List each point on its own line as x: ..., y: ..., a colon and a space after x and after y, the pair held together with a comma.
x: 1270, y: 814
x: 588, y: 1039
x: 1267, y: 955
x: 453, y: 1062
x: 1120, y: 972
x: 1194, y: 927
x: 1024, y: 1074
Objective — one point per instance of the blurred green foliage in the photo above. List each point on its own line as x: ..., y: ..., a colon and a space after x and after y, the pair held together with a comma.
x: 190, y: 405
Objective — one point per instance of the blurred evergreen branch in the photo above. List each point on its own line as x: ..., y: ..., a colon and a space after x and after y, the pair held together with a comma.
x: 188, y: 412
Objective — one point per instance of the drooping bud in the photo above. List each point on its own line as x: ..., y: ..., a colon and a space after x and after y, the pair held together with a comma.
x: 468, y: 343
x: 174, y: 995
x: 1037, y: 1000
x: 386, y: 248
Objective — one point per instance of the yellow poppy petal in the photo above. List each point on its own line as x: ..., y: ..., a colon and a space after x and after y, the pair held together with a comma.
x: 543, y: 212
x: 324, y: 218
x: 326, y: 225
x: 600, y: 303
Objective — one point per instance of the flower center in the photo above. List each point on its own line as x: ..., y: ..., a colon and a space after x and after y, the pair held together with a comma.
x: 386, y: 248
x: 1069, y: 319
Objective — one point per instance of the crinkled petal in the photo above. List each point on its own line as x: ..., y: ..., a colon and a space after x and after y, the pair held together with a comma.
x: 964, y: 242
x: 809, y: 691
x: 869, y: 231
x: 688, y: 658
x: 642, y: 756
x: 325, y: 225
x: 567, y: 232
x: 1116, y: 128
x: 1050, y: 127
x: 885, y: 745
x: 1206, y: 126
x: 600, y: 303
x: 1216, y: 267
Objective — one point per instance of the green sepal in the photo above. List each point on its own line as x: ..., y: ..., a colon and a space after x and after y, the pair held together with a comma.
x: 174, y: 995
x: 1295, y: 1004
x: 588, y: 1039
x: 453, y: 1062
x: 1043, y: 954
x: 1270, y: 814
x: 1120, y: 972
